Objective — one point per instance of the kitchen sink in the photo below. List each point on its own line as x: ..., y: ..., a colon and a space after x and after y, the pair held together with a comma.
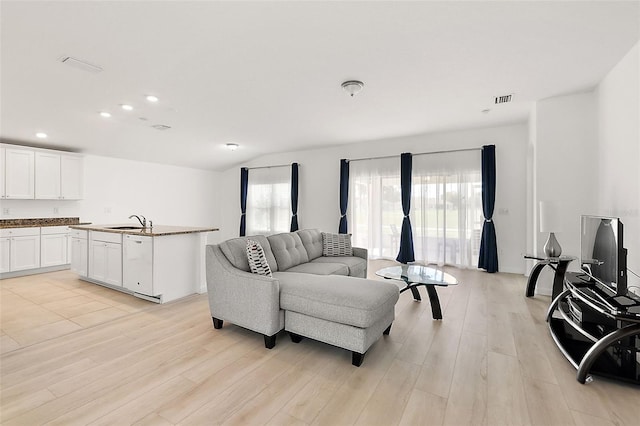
x: 123, y: 228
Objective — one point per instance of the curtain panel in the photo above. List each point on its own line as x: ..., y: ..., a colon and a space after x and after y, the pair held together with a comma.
x: 294, y: 197
x: 344, y: 195
x: 406, y: 254
x: 244, y: 181
x: 488, y: 258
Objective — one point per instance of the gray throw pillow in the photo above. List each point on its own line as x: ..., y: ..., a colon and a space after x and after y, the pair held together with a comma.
x: 336, y: 244
x: 257, y: 259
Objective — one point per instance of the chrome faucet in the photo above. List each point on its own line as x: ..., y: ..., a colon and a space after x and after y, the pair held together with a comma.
x: 142, y: 221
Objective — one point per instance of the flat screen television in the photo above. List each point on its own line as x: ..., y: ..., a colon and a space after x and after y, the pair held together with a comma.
x: 602, y: 253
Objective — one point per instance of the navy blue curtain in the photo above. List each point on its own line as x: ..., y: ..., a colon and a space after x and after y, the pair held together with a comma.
x: 344, y: 195
x: 488, y: 248
x: 294, y: 197
x: 406, y: 255
x: 244, y: 184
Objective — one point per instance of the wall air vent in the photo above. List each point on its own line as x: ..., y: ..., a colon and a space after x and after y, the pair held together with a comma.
x: 502, y: 99
x: 80, y: 64
x: 161, y: 127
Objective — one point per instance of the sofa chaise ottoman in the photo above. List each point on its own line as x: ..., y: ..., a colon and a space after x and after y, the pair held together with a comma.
x: 325, y: 298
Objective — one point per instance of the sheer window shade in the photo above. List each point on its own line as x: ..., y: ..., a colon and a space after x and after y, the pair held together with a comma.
x: 447, y: 208
x: 375, y: 206
x: 269, y: 201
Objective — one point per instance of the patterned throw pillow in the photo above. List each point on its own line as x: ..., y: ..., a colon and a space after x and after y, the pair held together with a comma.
x: 257, y: 259
x: 336, y: 245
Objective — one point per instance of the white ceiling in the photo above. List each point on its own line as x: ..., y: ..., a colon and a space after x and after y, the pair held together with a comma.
x: 267, y: 75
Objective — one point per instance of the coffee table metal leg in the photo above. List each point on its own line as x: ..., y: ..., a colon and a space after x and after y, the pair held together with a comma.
x: 435, y: 302
x: 416, y: 294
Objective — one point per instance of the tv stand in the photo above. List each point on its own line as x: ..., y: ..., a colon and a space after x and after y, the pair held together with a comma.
x: 595, y: 336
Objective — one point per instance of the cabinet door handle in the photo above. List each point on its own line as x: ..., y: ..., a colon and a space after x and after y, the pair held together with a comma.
x: 138, y: 242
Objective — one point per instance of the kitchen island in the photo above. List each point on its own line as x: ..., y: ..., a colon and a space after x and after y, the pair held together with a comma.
x: 160, y: 263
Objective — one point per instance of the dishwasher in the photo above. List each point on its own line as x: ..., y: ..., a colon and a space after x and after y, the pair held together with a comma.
x: 137, y: 265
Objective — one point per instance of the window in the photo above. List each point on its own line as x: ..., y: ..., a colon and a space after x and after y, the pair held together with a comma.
x: 375, y: 212
x: 268, y: 201
x: 446, y: 207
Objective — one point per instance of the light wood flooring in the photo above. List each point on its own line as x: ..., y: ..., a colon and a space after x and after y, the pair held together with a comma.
x: 76, y: 353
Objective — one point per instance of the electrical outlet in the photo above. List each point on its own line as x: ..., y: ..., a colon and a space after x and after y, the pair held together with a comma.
x: 107, y: 210
x: 56, y: 210
x: 503, y: 210
x: 6, y: 211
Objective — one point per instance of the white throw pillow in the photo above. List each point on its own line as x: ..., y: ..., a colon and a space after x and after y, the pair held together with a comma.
x: 336, y: 244
x: 257, y: 260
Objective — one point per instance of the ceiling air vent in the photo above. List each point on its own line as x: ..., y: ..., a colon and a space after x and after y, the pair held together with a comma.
x: 503, y: 99
x: 161, y: 127
x: 80, y: 64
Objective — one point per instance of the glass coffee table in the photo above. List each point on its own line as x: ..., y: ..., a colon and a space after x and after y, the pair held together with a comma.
x: 415, y: 276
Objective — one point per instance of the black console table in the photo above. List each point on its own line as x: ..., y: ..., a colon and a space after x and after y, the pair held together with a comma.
x: 594, y: 332
x: 559, y: 264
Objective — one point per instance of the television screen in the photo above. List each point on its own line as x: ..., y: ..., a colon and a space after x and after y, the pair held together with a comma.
x: 600, y: 249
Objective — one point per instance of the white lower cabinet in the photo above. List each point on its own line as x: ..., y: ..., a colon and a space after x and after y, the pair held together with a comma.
x: 79, y: 252
x: 5, y: 250
x: 54, y: 246
x: 20, y: 249
x: 105, y: 257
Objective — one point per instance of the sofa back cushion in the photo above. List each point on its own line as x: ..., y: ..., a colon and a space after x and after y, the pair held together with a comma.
x: 235, y: 250
x: 312, y: 241
x: 288, y: 250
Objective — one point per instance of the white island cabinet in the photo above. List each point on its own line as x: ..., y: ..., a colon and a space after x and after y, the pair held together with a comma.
x: 105, y: 257
x: 159, y: 264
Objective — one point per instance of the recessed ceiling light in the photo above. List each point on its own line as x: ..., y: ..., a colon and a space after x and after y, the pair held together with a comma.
x: 126, y: 107
x: 41, y: 135
x: 105, y: 114
x: 152, y: 98
x: 232, y: 146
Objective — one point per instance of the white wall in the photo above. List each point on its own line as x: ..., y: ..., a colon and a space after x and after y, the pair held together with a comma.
x: 320, y: 170
x: 114, y: 189
x: 618, y: 117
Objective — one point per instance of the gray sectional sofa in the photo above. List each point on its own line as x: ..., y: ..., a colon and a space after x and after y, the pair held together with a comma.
x: 309, y: 295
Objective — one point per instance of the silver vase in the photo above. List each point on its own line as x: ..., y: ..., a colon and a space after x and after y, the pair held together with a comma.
x: 552, y: 247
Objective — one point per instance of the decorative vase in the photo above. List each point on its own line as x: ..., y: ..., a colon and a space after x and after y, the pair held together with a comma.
x: 552, y: 247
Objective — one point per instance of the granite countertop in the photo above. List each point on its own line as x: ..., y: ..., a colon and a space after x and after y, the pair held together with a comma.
x: 156, y: 231
x: 39, y: 222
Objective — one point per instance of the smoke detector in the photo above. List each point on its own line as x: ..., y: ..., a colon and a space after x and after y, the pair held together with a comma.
x: 80, y: 64
x: 352, y: 87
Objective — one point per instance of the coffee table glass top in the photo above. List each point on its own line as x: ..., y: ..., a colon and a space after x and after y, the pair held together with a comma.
x: 418, y: 274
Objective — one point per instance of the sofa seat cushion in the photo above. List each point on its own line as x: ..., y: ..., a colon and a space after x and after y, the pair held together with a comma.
x: 345, y: 300
x: 356, y: 265
x: 288, y: 250
x: 321, y: 268
x: 235, y: 250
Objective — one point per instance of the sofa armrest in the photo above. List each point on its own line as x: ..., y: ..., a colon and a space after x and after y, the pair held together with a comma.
x: 249, y: 300
x: 362, y: 253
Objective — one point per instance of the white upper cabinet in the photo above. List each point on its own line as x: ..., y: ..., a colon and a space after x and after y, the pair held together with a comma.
x: 19, y: 173
x: 43, y: 174
x: 71, y: 172
x: 47, y: 176
x: 3, y: 193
